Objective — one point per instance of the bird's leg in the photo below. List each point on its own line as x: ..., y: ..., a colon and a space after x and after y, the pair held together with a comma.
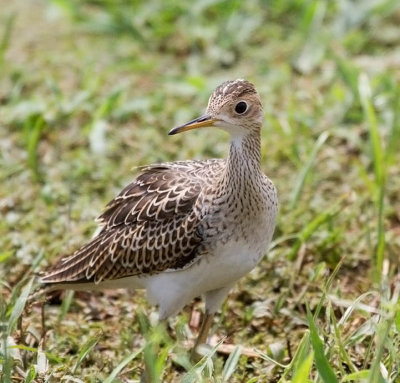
x: 202, y: 337
x: 213, y: 299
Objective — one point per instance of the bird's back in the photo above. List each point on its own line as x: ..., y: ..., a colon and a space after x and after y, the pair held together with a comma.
x: 151, y: 226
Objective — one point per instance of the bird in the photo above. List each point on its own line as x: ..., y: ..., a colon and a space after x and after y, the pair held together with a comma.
x: 185, y: 229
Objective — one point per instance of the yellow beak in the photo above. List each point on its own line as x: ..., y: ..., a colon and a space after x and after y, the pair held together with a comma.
x: 200, y: 122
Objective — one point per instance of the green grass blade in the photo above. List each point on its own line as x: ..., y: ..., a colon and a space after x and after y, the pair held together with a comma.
x: 347, y: 72
x: 87, y: 347
x: 382, y: 333
x: 325, y: 371
x: 49, y: 356
x: 356, y: 376
x: 340, y: 344
x: 156, y: 349
x: 5, y: 255
x: 375, y: 139
x: 65, y: 305
x: 231, y: 364
x: 19, y: 306
x: 31, y: 375
x: 307, y: 168
x: 195, y: 373
x: 122, y: 365
x: 302, y: 351
x: 162, y: 356
x: 7, y: 327
x: 6, y: 360
x: 6, y: 38
x: 379, y: 168
x: 327, y: 286
x: 312, y: 226
x: 37, y: 260
x: 301, y: 354
x: 271, y: 360
x: 394, y: 139
x: 301, y: 375
x: 33, y: 130
x: 380, y: 247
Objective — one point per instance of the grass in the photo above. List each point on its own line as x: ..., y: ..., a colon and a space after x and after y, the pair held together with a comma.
x: 89, y: 89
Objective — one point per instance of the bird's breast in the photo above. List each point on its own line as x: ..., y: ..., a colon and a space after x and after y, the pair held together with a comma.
x: 241, y: 223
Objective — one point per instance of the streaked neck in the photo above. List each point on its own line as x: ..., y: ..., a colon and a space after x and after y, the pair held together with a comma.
x: 243, y: 162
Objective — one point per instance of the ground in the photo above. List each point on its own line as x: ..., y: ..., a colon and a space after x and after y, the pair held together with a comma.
x: 89, y: 90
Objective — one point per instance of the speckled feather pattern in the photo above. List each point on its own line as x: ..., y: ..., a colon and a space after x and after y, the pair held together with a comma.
x: 177, y: 215
x: 151, y: 226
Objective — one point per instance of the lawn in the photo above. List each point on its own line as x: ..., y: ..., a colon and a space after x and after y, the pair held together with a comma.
x: 89, y: 90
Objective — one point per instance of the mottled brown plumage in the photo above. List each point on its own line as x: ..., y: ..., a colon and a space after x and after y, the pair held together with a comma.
x: 187, y: 228
x: 151, y: 226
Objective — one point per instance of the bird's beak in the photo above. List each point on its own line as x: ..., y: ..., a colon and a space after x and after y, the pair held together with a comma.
x: 200, y: 122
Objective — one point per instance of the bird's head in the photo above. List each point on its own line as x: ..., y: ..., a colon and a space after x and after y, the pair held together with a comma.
x: 234, y: 106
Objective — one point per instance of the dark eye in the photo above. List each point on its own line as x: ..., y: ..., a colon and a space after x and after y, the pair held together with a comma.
x: 240, y: 107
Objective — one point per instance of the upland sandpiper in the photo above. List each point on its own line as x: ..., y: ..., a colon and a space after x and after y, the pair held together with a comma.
x: 188, y: 228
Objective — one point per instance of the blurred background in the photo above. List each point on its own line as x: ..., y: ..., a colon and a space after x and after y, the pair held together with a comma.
x: 90, y: 89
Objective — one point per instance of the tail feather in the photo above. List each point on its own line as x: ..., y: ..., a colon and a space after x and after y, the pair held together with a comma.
x: 74, y: 267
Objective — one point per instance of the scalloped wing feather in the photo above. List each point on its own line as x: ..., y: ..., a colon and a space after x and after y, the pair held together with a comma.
x: 150, y: 227
x: 159, y: 192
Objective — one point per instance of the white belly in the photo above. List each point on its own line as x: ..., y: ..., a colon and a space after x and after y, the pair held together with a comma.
x: 220, y: 268
x: 172, y: 290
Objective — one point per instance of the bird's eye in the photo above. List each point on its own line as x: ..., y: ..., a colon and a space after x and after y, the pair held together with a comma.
x: 240, y: 107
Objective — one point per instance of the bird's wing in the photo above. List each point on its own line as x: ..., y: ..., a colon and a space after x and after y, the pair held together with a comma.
x: 151, y: 226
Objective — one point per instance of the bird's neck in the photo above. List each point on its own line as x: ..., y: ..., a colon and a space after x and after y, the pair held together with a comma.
x: 244, y: 157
